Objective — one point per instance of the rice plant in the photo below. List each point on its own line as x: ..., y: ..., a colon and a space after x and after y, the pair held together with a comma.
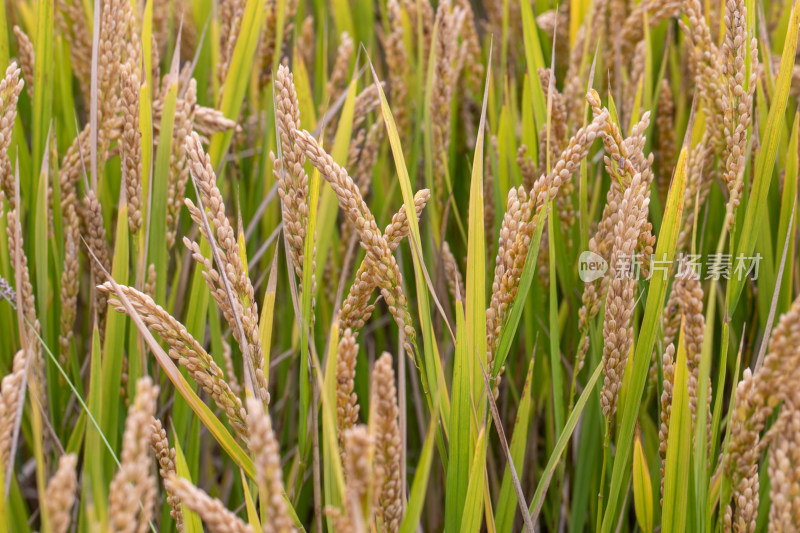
x: 399, y: 266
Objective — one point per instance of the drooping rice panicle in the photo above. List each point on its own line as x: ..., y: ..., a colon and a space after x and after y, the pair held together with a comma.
x: 187, y: 351
x: 341, y: 66
x: 386, y: 432
x: 60, y: 494
x: 10, y: 87
x: 452, y: 273
x: 211, y: 511
x: 667, y: 365
x: 347, y: 407
x: 27, y: 57
x: 267, y: 460
x: 664, y: 149
x: 132, y: 491
x: 382, y: 264
x: 165, y: 457
x: 246, y: 308
x: 757, y: 395
x: 356, y: 309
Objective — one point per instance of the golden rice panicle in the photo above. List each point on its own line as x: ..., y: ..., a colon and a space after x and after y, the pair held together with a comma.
x: 577, y: 148
x: 585, y: 42
x: 130, y: 141
x: 70, y: 278
x: 186, y: 350
x: 502, y: 286
x: 132, y: 491
x: 699, y: 178
x: 178, y: 167
x: 784, y: 470
x: 618, y: 323
x: 10, y: 396
x: 383, y: 266
x: 555, y: 136
x: 71, y: 22
x: 233, y: 267
x: 448, y: 21
x: 268, y: 42
x: 453, y: 274
x: 368, y: 156
x: 26, y: 57
x: 30, y: 331
x: 356, y: 309
x: 289, y: 171
x: 230, y: 22
x: 150, y: 283
x: 488, y: 194
x: 347, y: 407
x: 211, y: 511
x: 111, y: 36
x: 667, y: 362
x: 397, y: 66
x: 757, y: 395
x: 95, y: 237
x: 737, y: 100
x: 632, y: 30
x: 359, y: 477
x: 60, y: 494
x: 230, y: 371
x: 165, y: 457
x: 689, y: 293
x: 341, y: 65
x: 665, y: 149
x: 513, y: 251
x: 10, y: 87
x: 707, y: 64
x: 267, y: 460
x: 386, y: 432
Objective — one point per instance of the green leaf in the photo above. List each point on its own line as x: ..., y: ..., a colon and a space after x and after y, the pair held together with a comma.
x: 114, y: 341
x: 158, y: 198
x: 238, y: 76
x: 765, y: 159
x: 191, y: 522
x: 473, y: 506
x: 788, y: 204
x: 420, y: 485
x: 679, y: 449
x: 561, y: 444
x: 460, y: 422
x: 642, y: 488
x: 43, y: 79
x: 506, y: 502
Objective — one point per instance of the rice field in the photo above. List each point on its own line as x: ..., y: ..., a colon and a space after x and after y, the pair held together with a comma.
x: 399, y: 266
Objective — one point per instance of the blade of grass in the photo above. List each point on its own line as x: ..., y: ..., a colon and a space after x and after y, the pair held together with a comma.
x: 419, y: 487
x: 460, y: 426
x: 237, y: 78
x: 114, y: 341
x: 679, y: 446
x: 788, y: 211
x: 504, y: 514
x: 642, y: 488
x: 555, y: 456
x: 158, y: 195
x: 473, y: 506
x: 191, y: 522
